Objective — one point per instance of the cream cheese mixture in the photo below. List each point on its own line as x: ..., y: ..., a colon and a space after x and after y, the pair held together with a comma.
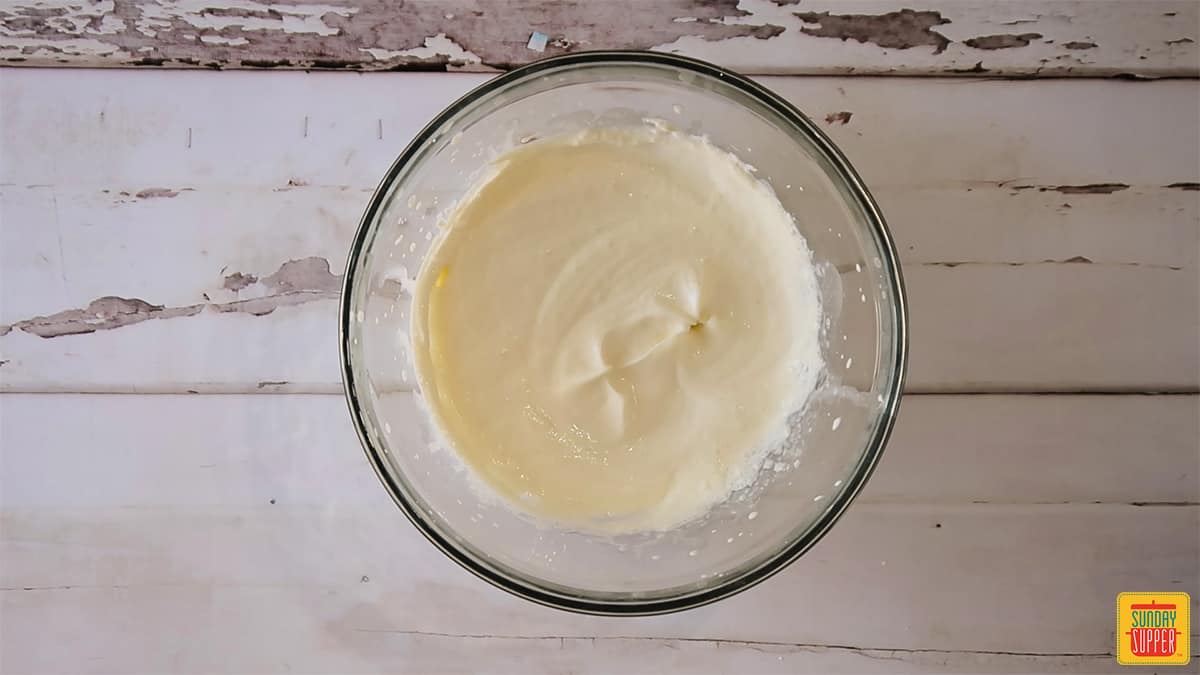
x: 614, y: 326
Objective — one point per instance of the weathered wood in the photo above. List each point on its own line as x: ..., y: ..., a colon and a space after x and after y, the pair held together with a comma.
x: 1016, y: 38
x: 1037, y: 258
x: 159, y: 452
x: 279, y: 575
x: 1049, y: 328
x: 266, y: 539
x: 172, y: 232
x: 1042, y: 449
x: 373, y: 651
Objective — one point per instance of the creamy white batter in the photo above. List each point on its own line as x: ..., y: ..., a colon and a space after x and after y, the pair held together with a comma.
x: 614, y: 326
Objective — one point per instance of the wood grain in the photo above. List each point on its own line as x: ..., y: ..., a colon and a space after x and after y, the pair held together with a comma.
x: 265, y: 541
x: 1038, y: 329
x: 294, y: 576
x: 1018, y: 38
x: 302, y: 451
x: 1037, y: 258
x: 1012, y: 449
x: 171, y: 232
x: 373, y: 651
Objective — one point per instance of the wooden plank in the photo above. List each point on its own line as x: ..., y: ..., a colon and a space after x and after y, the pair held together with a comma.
x: 1047, y: 328
x: 1061, y: 327
x: 224, y: 630
x: 160, y: 451
x: 1042, y: 449
x: 237, y: 630
x: 1016, y: 38
x: 130, y: 130
x: 164, y: 542
x: 158, y: 207
x: 1049, y: 576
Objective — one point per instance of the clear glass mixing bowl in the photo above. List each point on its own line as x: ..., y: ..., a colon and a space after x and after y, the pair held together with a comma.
x: 802, y: 488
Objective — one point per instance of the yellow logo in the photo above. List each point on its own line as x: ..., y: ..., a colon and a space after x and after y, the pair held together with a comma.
x: 1153, y: 629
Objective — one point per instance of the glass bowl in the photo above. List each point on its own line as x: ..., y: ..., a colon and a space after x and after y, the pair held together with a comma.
x: 803, y: 486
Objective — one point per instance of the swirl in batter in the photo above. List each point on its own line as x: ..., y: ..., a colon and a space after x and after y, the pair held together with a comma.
x: 614, y: 326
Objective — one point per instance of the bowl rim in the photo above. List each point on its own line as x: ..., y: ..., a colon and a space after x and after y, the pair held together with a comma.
x: 855, y: 481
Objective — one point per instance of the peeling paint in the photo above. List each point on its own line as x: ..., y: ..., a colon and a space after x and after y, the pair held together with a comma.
x: 1080, y: 45
x: 305, y: 274
x: 975, y: 69
x: 295, y: 19
x: 363, y: 36
x: 237, y: 281
x: 125, y: 196
x: 220, y: 40
x: 1183, y: 186
x: 295, y: 282
x: 156, y: 193
x: 842, y: 117
x: 437, y: 49
x: 44, y: 47
x: 1002, y: 41
x: 467, y: 35
x: 262, y: 63
x: 1073, y: 260
x: 105, y: 313
x: 904, y: 29
x: 1089, y: 189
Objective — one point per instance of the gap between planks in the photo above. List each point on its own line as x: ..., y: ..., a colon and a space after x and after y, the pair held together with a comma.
x: 741, y: 643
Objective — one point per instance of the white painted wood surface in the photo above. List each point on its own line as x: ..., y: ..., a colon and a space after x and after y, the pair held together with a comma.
x: 1133, y: 38
x: 1081, y: 254
x: 1050, y: 234
x: 263, y: 543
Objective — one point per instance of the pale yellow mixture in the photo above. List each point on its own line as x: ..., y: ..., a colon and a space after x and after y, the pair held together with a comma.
x: 614, y: 326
